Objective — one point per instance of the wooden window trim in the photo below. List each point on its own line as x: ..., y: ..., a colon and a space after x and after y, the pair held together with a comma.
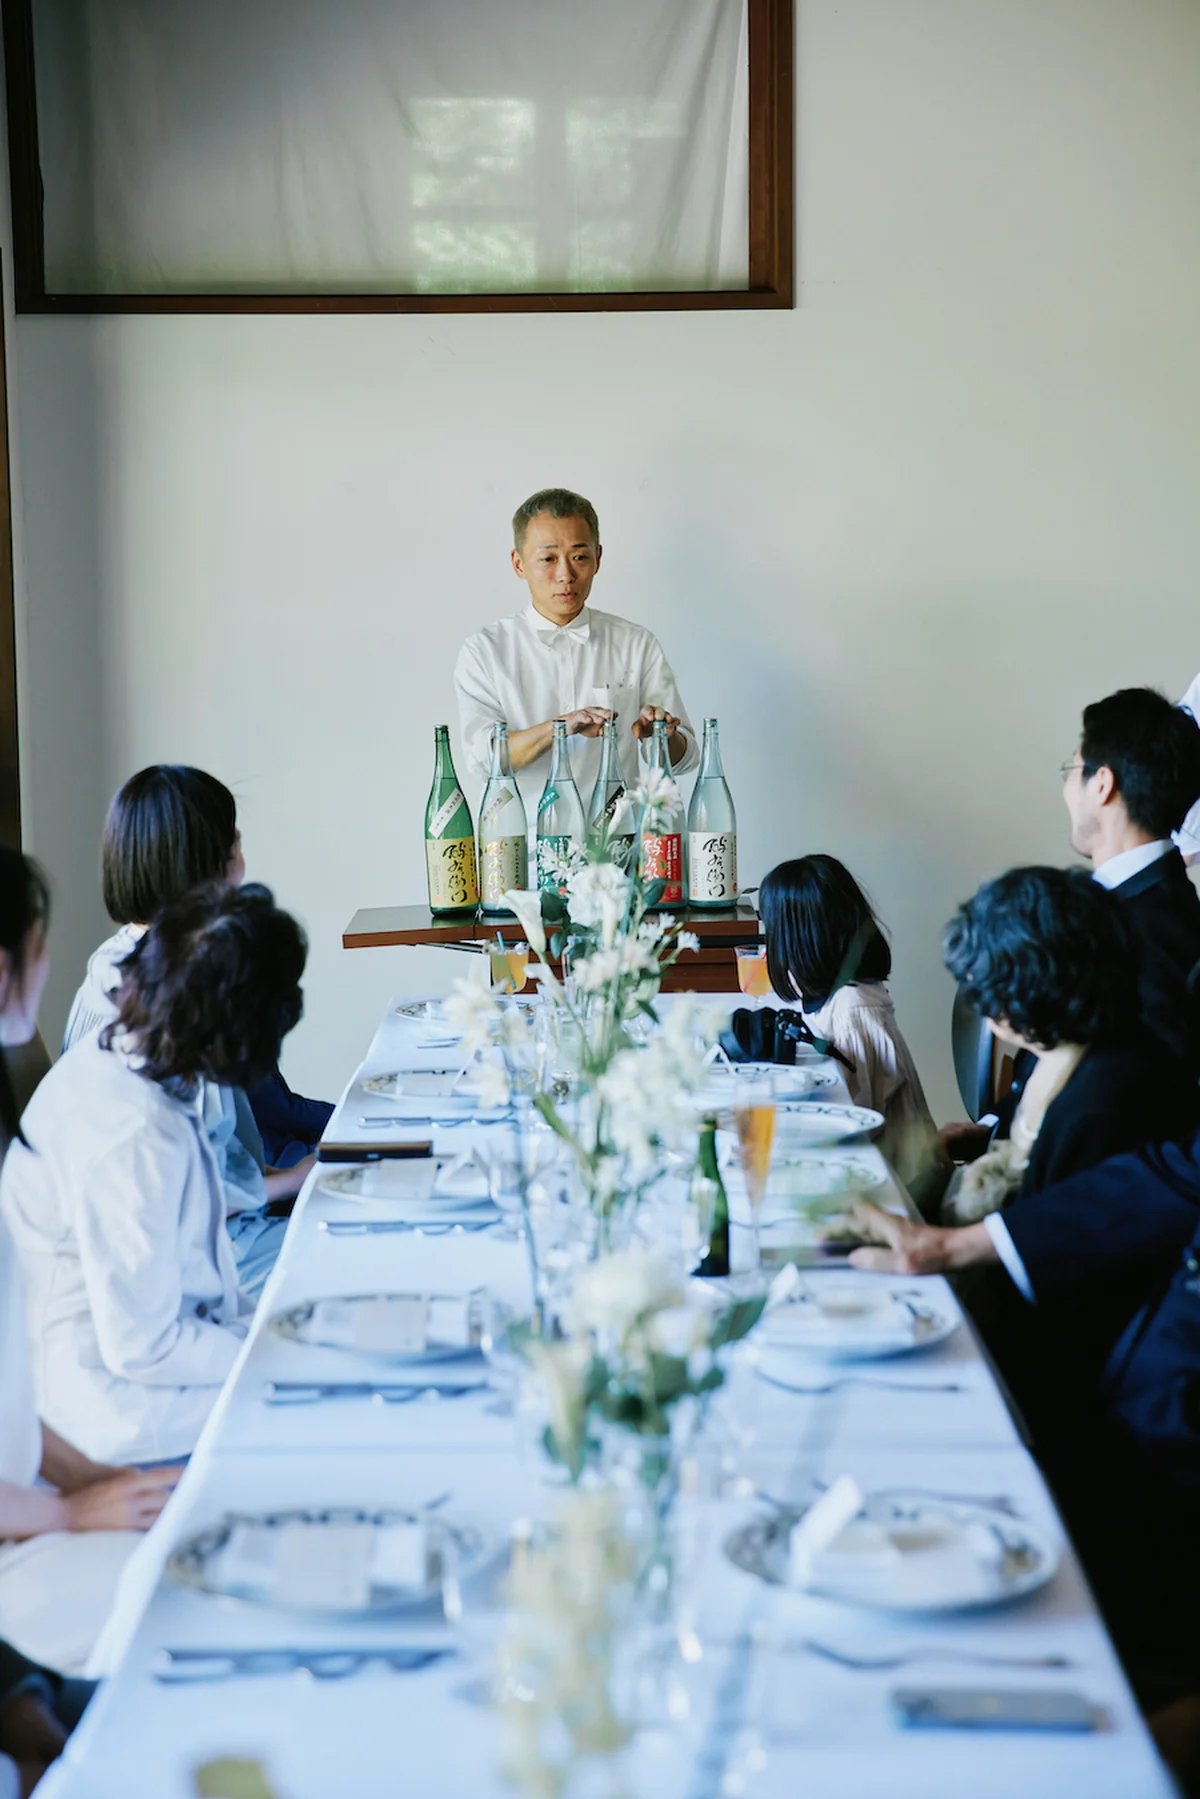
x: 771, y: 85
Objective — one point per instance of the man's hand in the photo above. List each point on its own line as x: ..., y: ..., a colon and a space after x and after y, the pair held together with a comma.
x: 643, y: 724
x: 962, y: 1142
x: 917, y: 1248
x: 587, y: 722
x: 130, y: 1501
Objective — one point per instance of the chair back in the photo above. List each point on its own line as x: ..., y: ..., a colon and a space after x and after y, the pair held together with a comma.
x: 972, y: 1046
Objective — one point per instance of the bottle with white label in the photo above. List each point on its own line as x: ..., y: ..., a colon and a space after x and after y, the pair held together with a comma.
x: 712, y: 830
x: 607, y: 795
x: 560, y: 827
x: 662, y: 845
x: 503, y: 845
x: 449, y: 836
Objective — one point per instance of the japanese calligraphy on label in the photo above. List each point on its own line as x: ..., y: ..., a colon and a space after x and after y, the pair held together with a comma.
x: 712, y: 866
x: 445, y: 813
x: 453, y: 882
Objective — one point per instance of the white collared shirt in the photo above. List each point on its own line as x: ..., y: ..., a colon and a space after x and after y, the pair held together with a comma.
x: 1119, y: 869
x: 117, y: 1213
x: 1187, y: 837
x: 525, y: 670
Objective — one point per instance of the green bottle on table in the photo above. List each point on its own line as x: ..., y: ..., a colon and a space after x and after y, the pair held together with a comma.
x: 503, y: 843
x: 560, y: 827
x: 449, y: 837
x: 712, y: 830
x: 707, y: 1194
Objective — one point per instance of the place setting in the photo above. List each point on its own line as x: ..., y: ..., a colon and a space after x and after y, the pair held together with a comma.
x: 438, y: 1195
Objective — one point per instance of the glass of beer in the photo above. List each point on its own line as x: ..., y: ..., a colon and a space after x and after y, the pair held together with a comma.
x: 509, y: 962
x: 753, y: 978
x: 754, y: 1116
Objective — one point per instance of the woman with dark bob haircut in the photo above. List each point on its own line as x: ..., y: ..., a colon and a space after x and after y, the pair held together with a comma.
x: 170, y: 828
x: 115, y: 1203
x: 1045, y: 955
x: 826, y: 953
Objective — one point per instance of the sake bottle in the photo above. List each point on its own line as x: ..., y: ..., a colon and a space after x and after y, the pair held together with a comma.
x: 607, y: 795
x: 707, y: 1194
x: 560, y: 827
x: 449, y: 836
x: 662, y: 845
x: 712, y: 830
x: 503, y: 846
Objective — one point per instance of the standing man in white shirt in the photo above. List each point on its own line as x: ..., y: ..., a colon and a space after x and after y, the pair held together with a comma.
x: 559, y: 658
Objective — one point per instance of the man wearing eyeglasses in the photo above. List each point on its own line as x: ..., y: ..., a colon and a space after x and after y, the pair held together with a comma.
x: 1130, y: 784
x: 559, y: 658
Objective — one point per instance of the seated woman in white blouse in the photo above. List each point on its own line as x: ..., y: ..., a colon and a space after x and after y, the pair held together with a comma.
x: 115, y: 1202
x: 63, y: 1542
x: 826, y: 953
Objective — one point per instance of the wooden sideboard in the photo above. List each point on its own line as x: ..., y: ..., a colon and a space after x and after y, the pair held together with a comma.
x: 710, y: 969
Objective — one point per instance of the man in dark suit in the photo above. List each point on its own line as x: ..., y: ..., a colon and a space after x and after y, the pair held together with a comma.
x: 1130, y: 784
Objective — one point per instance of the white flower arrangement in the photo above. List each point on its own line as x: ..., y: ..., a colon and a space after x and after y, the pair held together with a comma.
x: 635, y: 1104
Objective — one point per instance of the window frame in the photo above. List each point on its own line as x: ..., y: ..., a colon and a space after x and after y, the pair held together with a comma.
x: 771, y: 82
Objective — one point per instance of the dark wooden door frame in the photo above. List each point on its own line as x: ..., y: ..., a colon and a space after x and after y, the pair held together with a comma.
x: 771, y: 79
x: 10, y: 762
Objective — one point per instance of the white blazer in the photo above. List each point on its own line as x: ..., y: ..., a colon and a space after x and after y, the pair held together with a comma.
x: 117, y: 1213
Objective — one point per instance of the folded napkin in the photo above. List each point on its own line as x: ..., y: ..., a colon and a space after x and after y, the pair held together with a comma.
x: 323, y: 1567
x: 832, y: 1316
x: 400, y: 1324
x: 927, y: 1559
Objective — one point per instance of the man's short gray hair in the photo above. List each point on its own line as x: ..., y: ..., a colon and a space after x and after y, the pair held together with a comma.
x: 559, y: 502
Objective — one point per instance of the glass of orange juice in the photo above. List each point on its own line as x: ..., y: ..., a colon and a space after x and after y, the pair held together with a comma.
x: 509, y: 962
x: 754, y: 1116
x: 753, y: 978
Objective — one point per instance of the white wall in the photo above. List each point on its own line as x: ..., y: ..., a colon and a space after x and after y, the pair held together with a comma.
x: 895, y: 538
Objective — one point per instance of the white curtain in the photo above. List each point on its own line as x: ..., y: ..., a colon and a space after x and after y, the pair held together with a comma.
x: 422, y: 146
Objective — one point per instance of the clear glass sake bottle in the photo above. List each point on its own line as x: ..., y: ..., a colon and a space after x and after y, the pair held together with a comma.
x: 707, y: 1194
x: 662, y: 847
x: 449, y: 836
x: 607, y: 795
x: 560, y: 826
x: 712, y: 830
x: 503, y: 844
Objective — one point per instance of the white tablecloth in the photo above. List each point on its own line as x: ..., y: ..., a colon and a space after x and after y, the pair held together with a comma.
x: 824, y: 1730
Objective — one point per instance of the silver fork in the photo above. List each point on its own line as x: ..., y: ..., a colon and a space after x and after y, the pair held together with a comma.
x: 991, y: 1502
x: 869, y: 1664
x: 863, y: 1380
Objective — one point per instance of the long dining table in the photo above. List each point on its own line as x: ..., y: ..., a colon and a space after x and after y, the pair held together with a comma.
x: 766, y: 1714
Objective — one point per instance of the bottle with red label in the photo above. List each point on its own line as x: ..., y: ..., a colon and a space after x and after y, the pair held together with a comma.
x: 662, y: 845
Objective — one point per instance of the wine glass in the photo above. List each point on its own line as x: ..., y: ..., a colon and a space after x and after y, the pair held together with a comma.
x: 752, y: 975
x: 509, y: 962
x: 754, y: 1116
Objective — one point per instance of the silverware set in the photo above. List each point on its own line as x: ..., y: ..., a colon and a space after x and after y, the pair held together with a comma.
x: 177, y: 1667
x: 376, y: 1227
x: 294, y: 1392
x: 447, y: 1122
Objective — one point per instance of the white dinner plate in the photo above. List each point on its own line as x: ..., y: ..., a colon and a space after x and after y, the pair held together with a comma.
x: 840, y: 1320
x: 417, y: 1083
x: 809, y: 1177
x: 722, y: 1080
x: 423, y: 1188
x: 330, y: 1561
x: 907, y: 1554
x: 824, y: 1121
x: 412, y: 1328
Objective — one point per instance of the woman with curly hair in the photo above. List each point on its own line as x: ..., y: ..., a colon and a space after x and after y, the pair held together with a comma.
x: 115, y: 1201
x: 1045, y: 956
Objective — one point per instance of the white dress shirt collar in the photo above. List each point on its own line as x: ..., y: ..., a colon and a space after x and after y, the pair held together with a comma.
x: 1122, y: 868
x: 580, y: 627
